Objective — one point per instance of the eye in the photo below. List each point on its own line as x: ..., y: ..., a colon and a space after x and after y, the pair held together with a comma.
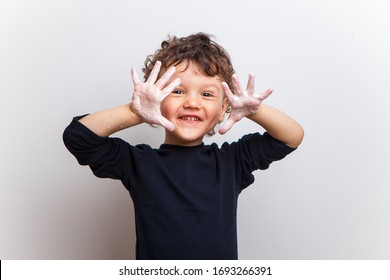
x: 178, y: 91
x: 207, y: 94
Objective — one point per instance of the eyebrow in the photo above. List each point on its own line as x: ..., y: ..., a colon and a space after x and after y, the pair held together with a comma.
x: 211, y: 86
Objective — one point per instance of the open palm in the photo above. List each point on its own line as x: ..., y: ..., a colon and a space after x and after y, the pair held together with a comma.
x: 243, y: 102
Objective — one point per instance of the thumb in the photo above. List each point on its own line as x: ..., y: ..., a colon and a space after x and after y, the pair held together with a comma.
x: 135, y: 103
x: 166, y: 123
x: 226, y: 126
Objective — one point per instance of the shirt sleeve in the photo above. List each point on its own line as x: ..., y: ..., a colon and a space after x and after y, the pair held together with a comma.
x: 257, y: 151
x: 108, y: 157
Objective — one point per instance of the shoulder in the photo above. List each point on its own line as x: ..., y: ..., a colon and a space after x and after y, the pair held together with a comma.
x: 234, y: 147
x: 244, y: 140
x: 257, y: 147
x: 263, y: 141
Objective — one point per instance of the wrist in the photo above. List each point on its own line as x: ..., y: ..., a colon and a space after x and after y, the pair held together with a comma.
x: 133, y: 118
x: 256, y: 116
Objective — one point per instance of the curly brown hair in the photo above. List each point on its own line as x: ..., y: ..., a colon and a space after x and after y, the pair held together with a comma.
x: 199, y: 48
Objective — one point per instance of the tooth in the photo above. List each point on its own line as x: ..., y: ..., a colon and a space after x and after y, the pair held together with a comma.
x: 190, y: 118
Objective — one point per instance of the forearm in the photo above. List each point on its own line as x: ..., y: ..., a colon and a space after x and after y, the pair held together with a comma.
x: 279, y: 125
x: 107, y: 122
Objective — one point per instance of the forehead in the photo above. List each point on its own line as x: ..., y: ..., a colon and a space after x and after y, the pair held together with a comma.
x: 190, y: 70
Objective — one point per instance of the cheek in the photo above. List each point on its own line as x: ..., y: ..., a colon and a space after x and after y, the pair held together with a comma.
x: 164, y: 108
x: 168, y: 106
x: 218, y: 113
x: 221, y: 116
x: 222, y: 110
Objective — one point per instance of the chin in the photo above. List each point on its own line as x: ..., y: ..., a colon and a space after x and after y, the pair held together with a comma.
x: 186, y: 139
x: 191, y: 140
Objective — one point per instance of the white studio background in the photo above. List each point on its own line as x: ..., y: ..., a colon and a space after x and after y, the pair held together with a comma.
x: 328, y: 61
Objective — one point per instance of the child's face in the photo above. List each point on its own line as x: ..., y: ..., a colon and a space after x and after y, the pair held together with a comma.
x: 194, y: 107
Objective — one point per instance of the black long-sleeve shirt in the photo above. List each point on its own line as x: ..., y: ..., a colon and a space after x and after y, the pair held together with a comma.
x: 185, y: 198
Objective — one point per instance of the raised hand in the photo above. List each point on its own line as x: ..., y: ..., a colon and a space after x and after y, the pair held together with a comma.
x: 242, y: 102
x: 147, y: 96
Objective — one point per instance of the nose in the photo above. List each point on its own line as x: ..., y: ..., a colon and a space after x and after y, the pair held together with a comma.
x: 192, y: 101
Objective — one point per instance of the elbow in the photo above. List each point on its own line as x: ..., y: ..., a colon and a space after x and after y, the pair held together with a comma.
x: 297, y: 138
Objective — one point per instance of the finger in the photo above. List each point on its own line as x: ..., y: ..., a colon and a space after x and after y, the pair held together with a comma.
x: 265, y: 94
x: 165, y: 78
x: 134, y: 76
x: 169, y: 88
x: 154, y: 74
x: 250, y: 87
x: 237, y: 85
x: 226, y: 126
x: 229, y: 94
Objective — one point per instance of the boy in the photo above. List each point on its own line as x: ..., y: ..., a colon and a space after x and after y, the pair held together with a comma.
x: 185, y: 193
